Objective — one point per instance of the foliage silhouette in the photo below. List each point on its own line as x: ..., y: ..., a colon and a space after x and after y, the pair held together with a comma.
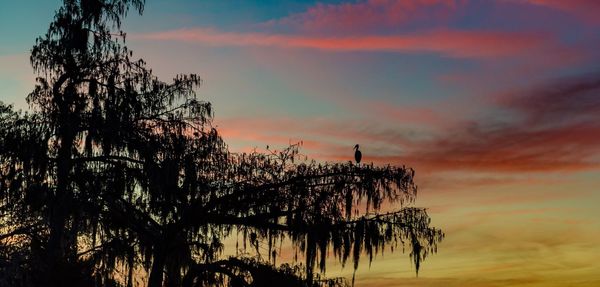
x: 116, y: 176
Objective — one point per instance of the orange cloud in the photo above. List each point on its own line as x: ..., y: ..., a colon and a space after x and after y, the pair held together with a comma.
x: 450, y: 43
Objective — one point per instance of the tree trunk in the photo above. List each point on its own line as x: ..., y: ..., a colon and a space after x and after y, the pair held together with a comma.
x: 158, y: 265
x: 58, y: 247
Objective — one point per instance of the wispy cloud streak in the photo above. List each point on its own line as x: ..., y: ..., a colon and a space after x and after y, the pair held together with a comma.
x: 451, y: 43
x: 364, y: 16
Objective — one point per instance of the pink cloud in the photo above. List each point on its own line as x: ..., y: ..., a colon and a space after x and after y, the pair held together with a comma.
x: 367, y: 15
x: 451, y: 43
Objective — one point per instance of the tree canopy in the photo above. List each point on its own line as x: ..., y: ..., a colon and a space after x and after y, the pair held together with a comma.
x: 116, y: 178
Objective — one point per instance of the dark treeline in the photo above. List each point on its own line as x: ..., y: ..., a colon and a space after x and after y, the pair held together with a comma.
x: 116, y: 178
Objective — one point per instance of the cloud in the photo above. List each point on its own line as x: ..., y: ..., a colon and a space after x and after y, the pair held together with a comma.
x: 363, y: 16
x: 585, y: 9
x: 552, y: 128
x: 453, y: 182
x: 450, y: 43
x: 571, y: 100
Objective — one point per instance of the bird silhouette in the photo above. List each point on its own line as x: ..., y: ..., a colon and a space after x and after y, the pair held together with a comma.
x: 357, y: 154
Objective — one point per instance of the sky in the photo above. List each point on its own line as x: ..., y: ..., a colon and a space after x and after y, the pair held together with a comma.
x: 496, y: 104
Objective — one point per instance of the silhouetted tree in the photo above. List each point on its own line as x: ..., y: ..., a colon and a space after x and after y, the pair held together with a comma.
x: 116, y: 175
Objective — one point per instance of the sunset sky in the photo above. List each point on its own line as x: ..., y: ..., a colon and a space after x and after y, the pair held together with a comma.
x: 496, y: 104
